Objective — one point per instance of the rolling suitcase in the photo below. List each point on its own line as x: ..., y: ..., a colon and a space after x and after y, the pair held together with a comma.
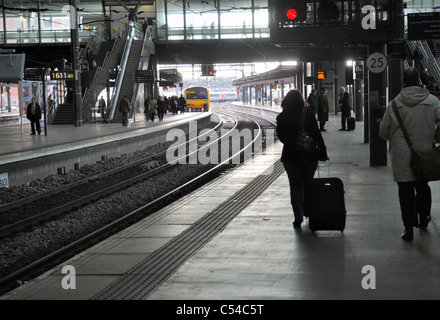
x: 325, y: 205
x: 351, y: 124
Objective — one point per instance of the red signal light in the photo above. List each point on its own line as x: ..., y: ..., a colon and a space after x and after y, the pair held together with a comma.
x: 291, y: 14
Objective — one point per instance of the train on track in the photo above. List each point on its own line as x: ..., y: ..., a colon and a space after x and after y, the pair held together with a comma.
x: 197, y: 99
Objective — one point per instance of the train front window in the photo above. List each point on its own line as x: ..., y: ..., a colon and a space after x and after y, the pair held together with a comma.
x: 196, y: 95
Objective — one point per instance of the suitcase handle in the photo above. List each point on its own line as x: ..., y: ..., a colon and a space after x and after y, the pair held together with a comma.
x: 329, y: 170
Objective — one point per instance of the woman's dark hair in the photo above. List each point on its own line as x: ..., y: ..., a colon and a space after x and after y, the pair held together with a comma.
x: 293, y: 100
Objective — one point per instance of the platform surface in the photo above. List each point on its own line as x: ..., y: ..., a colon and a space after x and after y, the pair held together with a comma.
x: 17, y: 143
x: 259, y: 256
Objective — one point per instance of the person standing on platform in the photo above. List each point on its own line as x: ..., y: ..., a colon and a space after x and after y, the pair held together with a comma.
x: 101, y: 107
x: 174, y: 105
x: 323, y: 109
x: 312, y: 101
x: 300, y: 171
x: 161, y: 108
x: 124, y: 107
x: 167, y: 104
x: 152, y: 109
x: 146, y: 107
x: 420, y: 113
x: 182, y: 104
x: 345, y: 105
x: 33, y: 113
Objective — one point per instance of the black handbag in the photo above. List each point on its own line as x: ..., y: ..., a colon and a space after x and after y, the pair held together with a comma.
x: 306, y: 146
x: 424, y: 164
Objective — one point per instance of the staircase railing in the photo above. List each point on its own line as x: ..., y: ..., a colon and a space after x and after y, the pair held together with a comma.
x: 102, y: 75
x: 52, y: 108
x: 133, y: 32
x: 428, y: 62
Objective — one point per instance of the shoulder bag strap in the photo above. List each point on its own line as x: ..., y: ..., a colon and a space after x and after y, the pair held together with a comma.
x: 402, y: 126
x: 303, y: 119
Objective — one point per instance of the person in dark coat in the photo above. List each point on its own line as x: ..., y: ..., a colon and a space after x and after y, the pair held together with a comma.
x: 312, y: 101
x: 345, y: 105
x: 147, y: 107
x: 144, y: 27
x: 102, y: 107
x: 167, y: 104
x: 90, y: 58
x: 425, y: 78
x: 323, y: 109
x: 300, y: 171
x: 33, y: 113
x: 161, y: 108
x: 182, y: 104
x: 124, y: 107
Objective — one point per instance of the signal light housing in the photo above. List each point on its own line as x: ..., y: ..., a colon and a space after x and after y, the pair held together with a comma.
x: 290, y: 11
x: 208, y: 70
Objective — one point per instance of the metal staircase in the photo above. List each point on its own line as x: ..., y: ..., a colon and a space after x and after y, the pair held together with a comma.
x: 136, y: 56
x: 128, y: 83
x: 429, y: 61
x: 110, y: 52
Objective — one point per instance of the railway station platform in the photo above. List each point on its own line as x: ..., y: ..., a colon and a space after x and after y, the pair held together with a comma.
x: 25, y: 158
x: 255, y: 254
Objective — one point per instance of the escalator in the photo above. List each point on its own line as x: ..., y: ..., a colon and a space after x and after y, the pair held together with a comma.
x: 136, y: 56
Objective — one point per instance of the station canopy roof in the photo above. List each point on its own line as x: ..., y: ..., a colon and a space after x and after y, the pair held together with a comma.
x: 276, y: 74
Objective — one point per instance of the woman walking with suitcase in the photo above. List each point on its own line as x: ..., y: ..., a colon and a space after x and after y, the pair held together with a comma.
x: 300, y: 170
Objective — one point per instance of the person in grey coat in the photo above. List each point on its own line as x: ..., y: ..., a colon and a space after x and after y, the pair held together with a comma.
x: 152, y: 109
x: 420, y: 112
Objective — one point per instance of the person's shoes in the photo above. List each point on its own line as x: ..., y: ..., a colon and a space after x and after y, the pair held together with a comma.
x: 424, y: 221
x: 297, y: 224
x: 32, y: 134
x: 39, y: 133
x: 342, y: 129
x: 408, y: 234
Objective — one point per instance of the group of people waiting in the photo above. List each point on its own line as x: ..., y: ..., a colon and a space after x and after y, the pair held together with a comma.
x: 162, y: 105
x: 319, y: 104
x: 152, y: 107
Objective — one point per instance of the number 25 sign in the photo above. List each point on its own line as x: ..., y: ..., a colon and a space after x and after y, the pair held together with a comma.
x: 377, y: 62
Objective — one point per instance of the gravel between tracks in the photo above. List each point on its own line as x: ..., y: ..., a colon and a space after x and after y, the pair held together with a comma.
x: 25, y: 247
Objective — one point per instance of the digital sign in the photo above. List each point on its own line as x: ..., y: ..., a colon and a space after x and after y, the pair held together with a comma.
x: 322, y: 75
x: 62, y: 75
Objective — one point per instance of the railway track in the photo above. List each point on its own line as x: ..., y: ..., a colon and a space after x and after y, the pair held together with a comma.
x: 30, y: 211
x: 40, y: 265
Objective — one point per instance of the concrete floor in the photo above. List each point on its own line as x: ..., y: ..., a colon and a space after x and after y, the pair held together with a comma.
x: 259, y: 256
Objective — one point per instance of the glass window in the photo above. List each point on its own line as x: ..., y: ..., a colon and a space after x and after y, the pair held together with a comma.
x: 201, y: 19
x: 261, y: 19
x: 236, y: 19
x: 161, y: 21
x: 175, y: 20
x: 194, y: 94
